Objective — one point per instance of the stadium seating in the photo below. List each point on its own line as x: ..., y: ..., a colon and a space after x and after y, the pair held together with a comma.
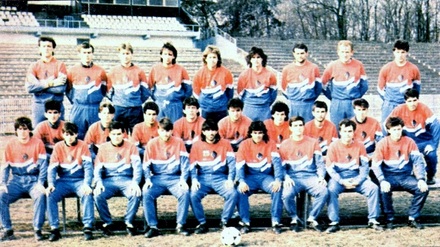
x: 133, y: 22
x: 9, y: 16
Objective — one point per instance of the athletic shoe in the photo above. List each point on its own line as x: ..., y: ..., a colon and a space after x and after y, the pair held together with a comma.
x: 333, y: 228
x: 181, y: 230
x: 106, y: 231
x: 375, y: 225
x: 8, y: 235
x: 415, y: 224
x: 277, y: 229
x: 430, y: 181
x: 223, y: 225
x: 294, y: 227
x: 200, y: 229
x: 88, y: 234
x: 245, y: 228
x: 314, y: 225
x: 38, y: 235
x: 153, y: 232
x: 131, y: 231
x: 389, y: 225
x: 55, y: 235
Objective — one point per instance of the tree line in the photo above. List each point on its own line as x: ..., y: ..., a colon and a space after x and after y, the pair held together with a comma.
x: 365, y: 20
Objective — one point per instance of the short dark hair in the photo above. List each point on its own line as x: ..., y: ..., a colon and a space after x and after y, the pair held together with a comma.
x: 52, y: 105
x: 166, y: 124
x: 85, y: 45
x: 209, y: 124
x: 280, y: 107
x: 296, y: 118
x: 115, y: 125
x: 23, y: 122
x: 170, y: 47
x: 320, y: 104
x: 191, y: 101
x: 109, y: 106
x: 254, y: 51
x: 401, y: 45
x: 47, y: 39
x: 301, y: 46
x: 258, y: 126
x: 411, y: 93
x: 151, y: 105
x: 70, y: 128
x: 363, y: 103
x: 393, y: 122
x: 235, y: 103
x: 346, y: 123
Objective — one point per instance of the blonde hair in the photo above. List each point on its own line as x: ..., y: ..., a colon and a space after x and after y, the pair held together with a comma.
x: 212, y: 49
x: 345, y: 43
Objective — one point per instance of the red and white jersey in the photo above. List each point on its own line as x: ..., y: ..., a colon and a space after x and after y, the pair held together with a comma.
x: 234, y: 132
x: 277, y: 133
x: 159, y: 75
x: 143, y: 133
x: 48, y: 133
x: 325, y: 135
x: 189, y: 132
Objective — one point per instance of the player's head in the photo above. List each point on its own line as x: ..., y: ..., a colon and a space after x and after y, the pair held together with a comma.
x: 346, y: 130
x: 85, y: 51
x: 23, y: 123
x: 345, y: 51
x: 235, y: 103
x: 296, y: 126
x: 394, y: 127
x: 346, y: 123
x: 46, y: 46
x: 254, y: 53
x: 191, y: 107
x: 411, y: 99
x: 116, y: 133
x: 235, y: 109
x: 165, y: 130
x: 343, y: 43
x: 360, y: 108
x: 401, y: 45
x: 106, y: 114
x: 279, y: 109
x: 52, y: 111
x: 320, y: 104
x: 151, y: 110
x: 85, y: 45
x: 296, y: 119
x: 125, y: 47
x: 319, y: 110
x: 361, y: 102
x: 393, y: 122
x: 210, y: 131
x: 211, y: 54
x: 164, y: 52
x: 300, y: 53
x: 258, y: 132
x: 70, y: 133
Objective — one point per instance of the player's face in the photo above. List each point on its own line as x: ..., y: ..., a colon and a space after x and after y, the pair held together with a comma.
x: 46, y: 49
x: 412, y: 103
x: 345, y: 53
x: 395, y: 132
x: 125, y: 56
x: 69, y: 139
x: 256, y: 61
x: 106, y: 117
x: 300, y: 55
x: 346, y: 133
x: 23, y: 133
x: 211, y: 61
x: 86, y: 56
x: 167, y: 57
x: 191, y: 112
x: 360, y: 113
x: 164, y: 135
x: 52, y: 116
x: 210, y: 135
x: 279, y: 117
x: 234, y: 114
x: 297, y: 128
x: 257, y: 136
x: 150, y: 117
x: 319, y: 114
x: 400, y: 56
x: 116, y: 136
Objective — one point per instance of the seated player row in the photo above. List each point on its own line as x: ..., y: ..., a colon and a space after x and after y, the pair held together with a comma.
x: 213, y: 165
x: 168, y: 84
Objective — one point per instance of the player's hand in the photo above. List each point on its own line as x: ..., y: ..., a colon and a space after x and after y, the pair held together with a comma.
x: 428, y: 149
x: 40, y: 188
x: 385, y: 186
x: 243, y: 187
x: 321, y: 181
x: 195, y: 185
x: 276, y: 185
x: 229, y: 184
x: 183, y: 185
x: 50, y: 188
x: 348, y: 184
x: 61, y: 80
x: 99, y: 188
x: 85, y: 189
x: 135, y: 190
x: 288, y: 182
x: 148, y: 183
x: 423, y: 187
x: 4, y: 188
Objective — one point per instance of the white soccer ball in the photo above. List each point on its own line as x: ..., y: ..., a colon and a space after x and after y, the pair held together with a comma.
x: 231, y: 236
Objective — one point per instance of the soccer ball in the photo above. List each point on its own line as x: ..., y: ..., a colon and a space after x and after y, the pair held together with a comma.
x: 231, y: 236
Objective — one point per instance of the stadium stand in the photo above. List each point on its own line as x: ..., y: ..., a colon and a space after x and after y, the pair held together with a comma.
x: 9, y: 16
